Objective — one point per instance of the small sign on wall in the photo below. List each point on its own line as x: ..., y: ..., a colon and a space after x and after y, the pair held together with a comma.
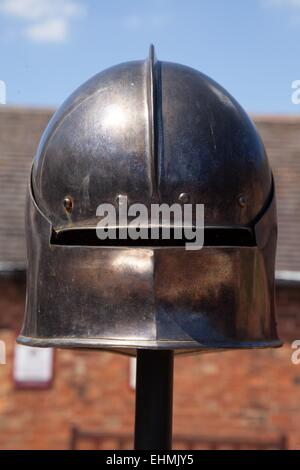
x: 33, y: 367
x: 132, y: 372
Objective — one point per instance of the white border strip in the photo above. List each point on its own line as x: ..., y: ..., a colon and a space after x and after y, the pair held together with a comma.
x: 8, y: 267
x: 293, y: 276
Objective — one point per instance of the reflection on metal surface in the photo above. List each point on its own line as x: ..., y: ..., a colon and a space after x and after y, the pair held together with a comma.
x: 132, y: 262
x: 115, y: 118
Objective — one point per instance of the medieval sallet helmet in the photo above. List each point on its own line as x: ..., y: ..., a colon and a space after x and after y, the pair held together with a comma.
x: 155, y: 132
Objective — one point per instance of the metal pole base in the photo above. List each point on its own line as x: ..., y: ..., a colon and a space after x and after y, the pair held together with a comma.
x: 154, y: 400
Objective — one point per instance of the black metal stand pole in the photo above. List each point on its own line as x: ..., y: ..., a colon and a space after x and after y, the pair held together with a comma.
x: 154, y: 400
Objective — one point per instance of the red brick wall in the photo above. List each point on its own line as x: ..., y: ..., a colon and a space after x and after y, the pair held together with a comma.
x: 12, y: 300
x: 250, y: 393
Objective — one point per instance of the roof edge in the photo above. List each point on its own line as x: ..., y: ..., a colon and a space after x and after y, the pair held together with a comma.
x: 276, y: 118
x: 8, y: 267
x: 287, y: 278
x: 27, y: 109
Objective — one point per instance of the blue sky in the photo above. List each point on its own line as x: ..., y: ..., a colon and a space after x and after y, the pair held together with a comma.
x: 251, y: 47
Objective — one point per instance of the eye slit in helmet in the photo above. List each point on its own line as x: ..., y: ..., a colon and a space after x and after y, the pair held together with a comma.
x: 213, y: 236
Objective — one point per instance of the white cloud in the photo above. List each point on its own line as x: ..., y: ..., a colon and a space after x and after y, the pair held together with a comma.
x: 136, y: 22
x: 282, y: 3
x: 43, y: 20
x: 133, y: 22
x: 55, y: 30
x: 41, y: 9
x: 291, y: 7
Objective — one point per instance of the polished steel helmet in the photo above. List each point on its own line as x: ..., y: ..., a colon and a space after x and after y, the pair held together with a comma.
x: 155, y: 132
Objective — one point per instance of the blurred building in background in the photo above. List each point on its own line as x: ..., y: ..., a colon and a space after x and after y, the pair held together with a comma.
x: 85, y: 399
